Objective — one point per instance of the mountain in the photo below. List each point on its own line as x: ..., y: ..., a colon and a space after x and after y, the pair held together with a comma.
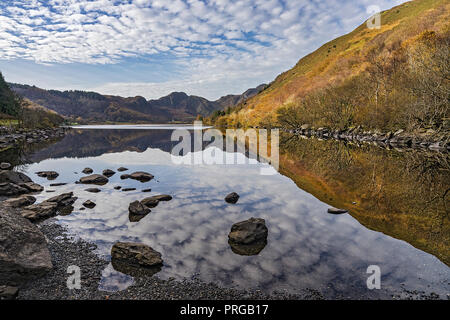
x: 393, y: 77
x: 94, y: 107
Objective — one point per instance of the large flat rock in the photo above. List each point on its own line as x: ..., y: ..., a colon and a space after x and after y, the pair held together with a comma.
x: 23, y: 249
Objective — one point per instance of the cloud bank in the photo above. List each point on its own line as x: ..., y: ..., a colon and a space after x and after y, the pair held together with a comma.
x: 217, y: 46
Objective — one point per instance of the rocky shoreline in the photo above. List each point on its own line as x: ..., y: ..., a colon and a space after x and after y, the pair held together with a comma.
x: 399, y: 139
x: 13, y: 137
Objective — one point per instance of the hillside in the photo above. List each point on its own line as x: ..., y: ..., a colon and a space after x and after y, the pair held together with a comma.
x: 93, y: 107
x: 393, y: 77
x: 9, y: 103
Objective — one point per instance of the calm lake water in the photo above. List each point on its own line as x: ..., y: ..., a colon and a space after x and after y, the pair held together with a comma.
x: 398, y: 216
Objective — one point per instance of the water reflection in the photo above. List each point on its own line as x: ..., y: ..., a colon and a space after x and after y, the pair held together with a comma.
x: 397, y: 196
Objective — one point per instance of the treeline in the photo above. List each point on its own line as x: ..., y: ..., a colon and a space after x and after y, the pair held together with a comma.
x: 406, y: 85
x: 10, y: 103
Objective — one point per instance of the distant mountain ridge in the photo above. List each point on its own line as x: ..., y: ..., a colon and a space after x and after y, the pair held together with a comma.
x: 94, y: 107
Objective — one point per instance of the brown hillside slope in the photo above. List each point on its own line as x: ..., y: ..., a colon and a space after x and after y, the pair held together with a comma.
x: 342, y: 60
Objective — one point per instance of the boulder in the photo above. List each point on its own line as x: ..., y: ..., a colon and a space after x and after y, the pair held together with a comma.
x: 11, y: 189
x: 232, y: 197
x: 108, y: 173
x: 41, y: 211
x: 87, y: 171
x: 121, y: 169
x: 336, y: 211
x: 135, y: 254
x: 93, y: 190
x: 20, y: 202
x: 94, y: 179
x: 23, y: 249
x: 137, y: 208
x: 89, y: 204
x: 161, y: 197
x: 50, y: 175
x: 32, y: 187
x: 14, y: 177
x: 248, y: 232
x: 5, y: 166
x: 64, y: 199
x: 140, y: 176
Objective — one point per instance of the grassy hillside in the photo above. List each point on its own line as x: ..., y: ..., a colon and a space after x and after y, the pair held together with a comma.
x: 369, y: 77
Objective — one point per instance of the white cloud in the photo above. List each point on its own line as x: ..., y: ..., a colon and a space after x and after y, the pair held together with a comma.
x: 200, y: 36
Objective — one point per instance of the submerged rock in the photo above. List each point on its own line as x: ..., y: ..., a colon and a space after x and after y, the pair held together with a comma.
x: 87, y: 171
x: 232, y: 197
x: 137, y: 208
x: 336, y: 211
x: 89, y: 204
x: 94, y: 179
x: 161, y: 197
x: 248, y: 232
x: 93, y: 190
x: 138, y: 175
x: 50, y: 175
x: 135, y: 254
x: 23, y: 249
x: 108, y: 173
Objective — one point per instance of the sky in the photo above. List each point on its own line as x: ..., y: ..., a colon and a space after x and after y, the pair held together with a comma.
x: 150, y: 48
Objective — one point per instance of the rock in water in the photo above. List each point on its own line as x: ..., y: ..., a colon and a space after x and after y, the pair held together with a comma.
x: 150, y: 202
x: 248, y: 232
x: 14, y: 177
x: 20, y: 202
x: 121, y: 169
x: 248, y: 249
x: 23, y: 249
x: 87, y: 171
x: 141, y: 176
x: 135, y: 254
x: 137, y: 208
x: 128, y: 189
x: 94, y: 179
x: 89, y: 204
x: 32, y: 187
x: 336, y: 211
x: 41, y: 211
x: 108, y: 173
x: 93, y: 190
x: 50, y: 175
x: 160, y: 197
x: 232, y: 198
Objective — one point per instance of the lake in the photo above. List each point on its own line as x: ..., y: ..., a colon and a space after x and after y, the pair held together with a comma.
x: 398, y: 218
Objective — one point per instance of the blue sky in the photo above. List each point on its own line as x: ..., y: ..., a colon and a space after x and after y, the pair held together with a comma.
x: 151, y: 48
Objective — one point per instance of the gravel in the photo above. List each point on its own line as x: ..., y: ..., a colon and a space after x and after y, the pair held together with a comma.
x: 66, y: 251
